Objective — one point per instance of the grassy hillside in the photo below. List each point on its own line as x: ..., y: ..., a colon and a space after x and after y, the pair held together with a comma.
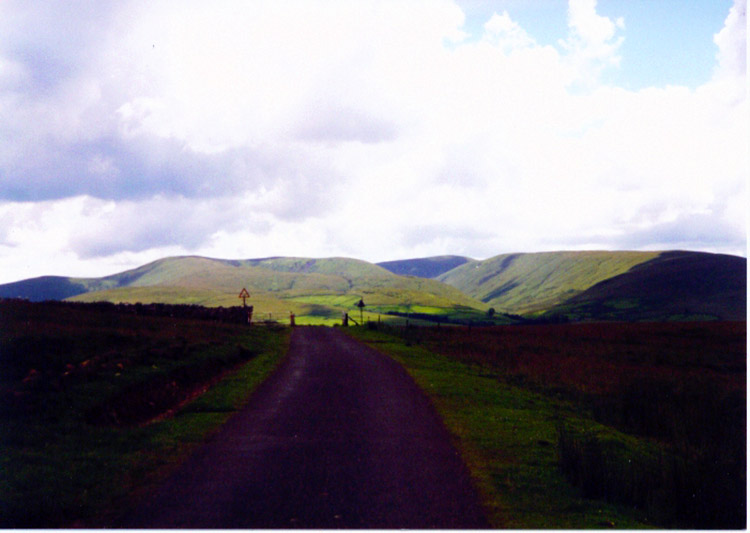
x: 427, y: 267
x: 672, y: 286
x: 534, y: 282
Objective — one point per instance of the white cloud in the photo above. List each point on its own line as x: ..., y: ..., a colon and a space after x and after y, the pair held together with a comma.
x: 502, y: 31
x: 732, y: 42
x: 112, y: 227
x: 371, y: 129
x: 592, y: 44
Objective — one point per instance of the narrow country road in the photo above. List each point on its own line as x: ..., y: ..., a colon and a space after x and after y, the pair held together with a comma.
x: 338, y: 437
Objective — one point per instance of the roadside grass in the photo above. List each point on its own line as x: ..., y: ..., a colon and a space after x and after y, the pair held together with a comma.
x: 508, y: 438
x: 666, y: 405
x: 58, y: 470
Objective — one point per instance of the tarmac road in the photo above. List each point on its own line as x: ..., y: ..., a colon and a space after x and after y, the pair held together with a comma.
x: 338, y: 437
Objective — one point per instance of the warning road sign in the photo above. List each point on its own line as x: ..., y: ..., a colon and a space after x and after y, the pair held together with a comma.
x: 244, y: 294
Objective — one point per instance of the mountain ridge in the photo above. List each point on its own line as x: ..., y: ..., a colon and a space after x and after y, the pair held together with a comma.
x: 576, y: 285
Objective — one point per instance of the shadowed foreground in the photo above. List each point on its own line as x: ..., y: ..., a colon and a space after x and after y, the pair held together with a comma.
x: 338, y: 437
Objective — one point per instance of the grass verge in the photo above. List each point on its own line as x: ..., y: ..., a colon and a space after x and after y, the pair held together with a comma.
x: 508, y: 438
x: 56, y: 470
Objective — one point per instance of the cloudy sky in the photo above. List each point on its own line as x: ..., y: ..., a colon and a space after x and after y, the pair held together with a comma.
x: 134, y: 130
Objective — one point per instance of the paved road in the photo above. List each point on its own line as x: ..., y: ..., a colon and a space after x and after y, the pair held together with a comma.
x: 338, y: 437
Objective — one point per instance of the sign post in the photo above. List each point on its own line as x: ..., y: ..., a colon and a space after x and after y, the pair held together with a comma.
x: 249, y: 311
x: 244, y: 295
x: 361, y: 304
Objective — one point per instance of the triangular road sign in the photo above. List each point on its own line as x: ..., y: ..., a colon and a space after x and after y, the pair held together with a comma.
x: 244, y: 293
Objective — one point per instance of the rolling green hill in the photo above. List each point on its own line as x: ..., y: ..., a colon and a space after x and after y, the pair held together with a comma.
x: 531, y: 283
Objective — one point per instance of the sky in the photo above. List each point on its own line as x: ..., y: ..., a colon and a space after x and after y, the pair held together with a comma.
x: 380, y: 130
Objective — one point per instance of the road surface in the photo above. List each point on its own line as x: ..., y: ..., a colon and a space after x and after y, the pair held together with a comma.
x: 338, y: 437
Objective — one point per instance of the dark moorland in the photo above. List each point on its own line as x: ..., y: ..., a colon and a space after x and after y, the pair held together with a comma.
x: 678, y: 387
x: 80, y: 384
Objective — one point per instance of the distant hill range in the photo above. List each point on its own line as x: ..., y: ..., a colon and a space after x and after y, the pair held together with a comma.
x: 674, y: 285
